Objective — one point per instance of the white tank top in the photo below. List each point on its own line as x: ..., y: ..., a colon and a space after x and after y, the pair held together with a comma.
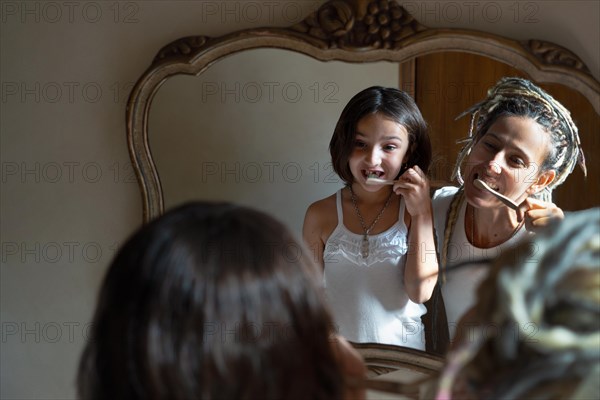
x: 460, y: 289
x: 367, y: 295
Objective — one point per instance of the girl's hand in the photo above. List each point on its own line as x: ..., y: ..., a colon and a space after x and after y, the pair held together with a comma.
x: 413, y: 185
x: 421, y: 269
x: 538, y: 213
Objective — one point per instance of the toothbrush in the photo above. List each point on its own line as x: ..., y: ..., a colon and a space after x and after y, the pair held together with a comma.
x: 377, y: 181
x: 508, y: 202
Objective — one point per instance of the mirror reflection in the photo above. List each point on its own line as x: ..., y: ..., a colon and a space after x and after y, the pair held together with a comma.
x: 253, y: 127
x: 269, y: 149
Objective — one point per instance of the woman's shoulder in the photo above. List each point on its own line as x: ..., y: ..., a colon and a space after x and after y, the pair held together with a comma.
x: 441, y: 202
x: 444, y: 193
x: 443, y: 196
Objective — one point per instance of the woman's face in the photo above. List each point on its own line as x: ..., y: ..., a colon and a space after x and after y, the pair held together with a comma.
x: 380, y: 148
x: 508, y: 158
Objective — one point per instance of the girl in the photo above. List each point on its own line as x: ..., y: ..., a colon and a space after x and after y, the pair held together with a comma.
x: 523, y: 143
x: 205, y: 302
x: 375, y: 241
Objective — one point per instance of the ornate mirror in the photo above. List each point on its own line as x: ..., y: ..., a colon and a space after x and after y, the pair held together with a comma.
x: 347, y: 45
x: 247, y: 116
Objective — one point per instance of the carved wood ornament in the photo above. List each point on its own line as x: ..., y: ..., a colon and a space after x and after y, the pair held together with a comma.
x: 382, y: 358
x: 351, y: 31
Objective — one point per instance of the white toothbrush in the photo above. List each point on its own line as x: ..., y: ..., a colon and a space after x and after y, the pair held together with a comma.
x: 377, y: 181
x: 508, y: 202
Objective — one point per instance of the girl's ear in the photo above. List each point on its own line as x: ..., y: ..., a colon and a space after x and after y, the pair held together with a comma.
x: 542, y: 181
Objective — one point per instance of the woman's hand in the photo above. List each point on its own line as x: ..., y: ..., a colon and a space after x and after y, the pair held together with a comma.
x: 413, y: 185
x: 538, y: 213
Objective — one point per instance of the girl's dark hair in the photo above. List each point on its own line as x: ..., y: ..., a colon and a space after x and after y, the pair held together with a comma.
x: 211, y: 301
x: 395, y: 105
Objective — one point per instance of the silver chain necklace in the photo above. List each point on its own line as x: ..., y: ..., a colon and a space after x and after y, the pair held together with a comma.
x: 364, y: 248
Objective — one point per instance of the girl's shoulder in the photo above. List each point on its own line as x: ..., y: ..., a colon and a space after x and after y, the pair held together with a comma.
x: 320, y: 219
x: 324, y: 207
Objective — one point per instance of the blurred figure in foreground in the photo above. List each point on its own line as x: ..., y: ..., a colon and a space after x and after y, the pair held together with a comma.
x: 538, y: 320
x: 215, y: 301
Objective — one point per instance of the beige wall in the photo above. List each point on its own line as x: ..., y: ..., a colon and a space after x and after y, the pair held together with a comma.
x: 256, y: 135
x: 68, y: 197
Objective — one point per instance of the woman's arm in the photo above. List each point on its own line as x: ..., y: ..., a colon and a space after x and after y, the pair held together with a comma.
x: 420, y: 274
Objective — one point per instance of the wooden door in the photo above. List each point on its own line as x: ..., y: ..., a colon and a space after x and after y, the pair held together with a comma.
x: 448, y: 83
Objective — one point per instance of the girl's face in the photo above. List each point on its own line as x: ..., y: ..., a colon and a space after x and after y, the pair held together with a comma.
x: 380, y: 148
x: 508, y: 158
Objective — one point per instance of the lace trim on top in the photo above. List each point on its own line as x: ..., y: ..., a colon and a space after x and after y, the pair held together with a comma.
x: 385, y: 246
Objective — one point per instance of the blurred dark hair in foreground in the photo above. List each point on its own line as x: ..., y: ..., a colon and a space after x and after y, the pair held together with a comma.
x: 211, y: 301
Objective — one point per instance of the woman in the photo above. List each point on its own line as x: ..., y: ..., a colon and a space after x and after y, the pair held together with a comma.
x: 215, y: 301
x: 522, y: 143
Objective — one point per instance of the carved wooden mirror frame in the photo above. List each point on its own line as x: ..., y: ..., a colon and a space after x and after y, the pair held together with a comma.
x: 354, y: 31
